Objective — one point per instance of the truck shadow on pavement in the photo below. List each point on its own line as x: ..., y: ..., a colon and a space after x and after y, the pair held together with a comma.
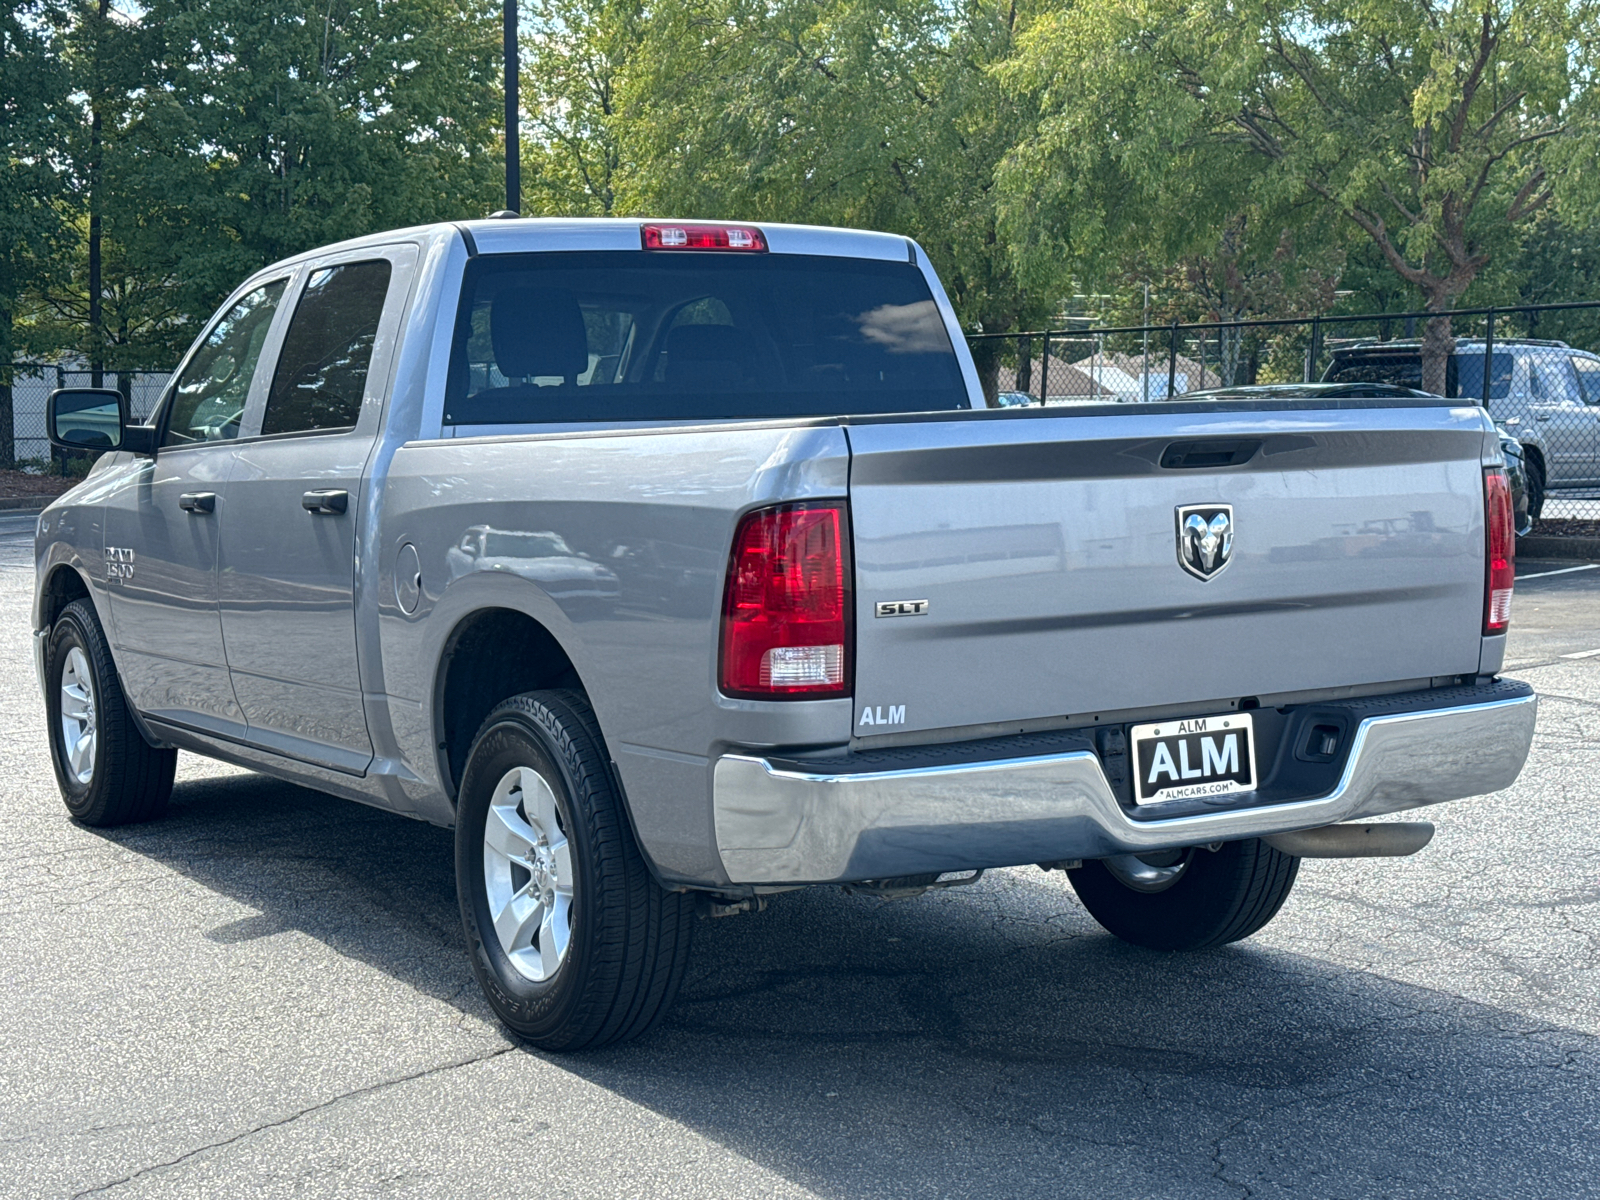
x: 987, y: 1042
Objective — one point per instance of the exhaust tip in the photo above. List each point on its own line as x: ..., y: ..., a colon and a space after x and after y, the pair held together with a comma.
x: 1391, y: 839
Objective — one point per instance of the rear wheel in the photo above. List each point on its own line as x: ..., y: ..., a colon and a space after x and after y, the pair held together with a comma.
x: 572, y: 941
x: 1187, y: 899
x: 107, y: 772
x: 1533, y: 468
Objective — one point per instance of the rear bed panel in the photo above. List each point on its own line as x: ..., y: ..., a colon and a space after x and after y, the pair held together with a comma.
x: 1047, y: 551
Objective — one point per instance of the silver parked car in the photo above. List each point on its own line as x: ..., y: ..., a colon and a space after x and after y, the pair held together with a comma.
x: 1545, y: 394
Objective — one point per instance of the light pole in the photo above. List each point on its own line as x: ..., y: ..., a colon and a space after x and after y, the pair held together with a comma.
x: 513, y: 131
x: 1147, y: 343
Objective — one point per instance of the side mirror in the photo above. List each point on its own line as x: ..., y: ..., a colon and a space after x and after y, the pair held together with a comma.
x: 94, y: 419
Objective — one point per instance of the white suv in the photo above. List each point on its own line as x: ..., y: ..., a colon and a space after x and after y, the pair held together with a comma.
x: 1545, y: 394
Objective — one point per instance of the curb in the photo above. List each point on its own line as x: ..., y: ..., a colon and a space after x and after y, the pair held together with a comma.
x: 25, y: 503
x: 1558, y: 547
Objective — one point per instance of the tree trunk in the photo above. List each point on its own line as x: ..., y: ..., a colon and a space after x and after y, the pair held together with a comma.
x: 989, y: 379
x: 1437, y: 343
x: 1230, y: 348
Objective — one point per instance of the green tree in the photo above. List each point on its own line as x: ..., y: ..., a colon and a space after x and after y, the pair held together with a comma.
x: 34, y: 118
x: 1436, y: 130
x: 92, y: 300
x: 263, y: 128
x: 1258, y: 265
x: 140, y: 325
x: 1560, y: 261
x: 576, y: 63
x: 882, y: 115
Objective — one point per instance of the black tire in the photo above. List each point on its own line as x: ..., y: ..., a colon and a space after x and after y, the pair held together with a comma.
x: 628, y: 936
x: 1533, y: 469
x: 1218, y: 897
x: 127, y: 779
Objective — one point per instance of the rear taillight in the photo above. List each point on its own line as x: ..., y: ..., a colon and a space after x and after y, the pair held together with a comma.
x: 786, y: 612
x: 703, y: 237
x: 1500, y: 572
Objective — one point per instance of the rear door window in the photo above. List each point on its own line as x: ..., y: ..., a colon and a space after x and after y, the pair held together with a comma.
x: 1463, y: 372
x: 1588, y: 379
x: 1401, y: 369
x: 322, y: 370
x: 635, y: 335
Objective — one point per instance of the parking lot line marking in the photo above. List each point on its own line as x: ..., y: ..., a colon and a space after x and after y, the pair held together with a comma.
x: 1563, y: 571
x: 1583, y: 654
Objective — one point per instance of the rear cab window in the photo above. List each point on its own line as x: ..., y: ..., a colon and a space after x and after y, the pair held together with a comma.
x: 1463, y: 372
x: 621, y: 335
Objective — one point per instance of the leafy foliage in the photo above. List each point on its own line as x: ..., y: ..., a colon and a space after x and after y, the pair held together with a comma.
x: 575, y: 64
x: 1433, y: 130
x: 35, y: 120
x: 261, y: 128
x: 1245, y: 159
x: 880, y: 115
x: 34, y: 111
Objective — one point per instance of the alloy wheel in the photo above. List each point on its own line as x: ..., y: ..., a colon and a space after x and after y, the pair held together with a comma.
x: 77, y: 715
x: 527, y: 872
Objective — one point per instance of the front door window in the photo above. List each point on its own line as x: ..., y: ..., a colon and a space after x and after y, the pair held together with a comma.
x: 210, y: 396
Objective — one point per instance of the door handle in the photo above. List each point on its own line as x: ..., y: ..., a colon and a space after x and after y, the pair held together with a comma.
x: 198, y: 502
x: 331, y: 502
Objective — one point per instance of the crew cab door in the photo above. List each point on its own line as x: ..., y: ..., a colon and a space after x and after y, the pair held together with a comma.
x: 287, y: 567
x: 1565, y: 422
x: 1588, y: 373
x: 164, y: 521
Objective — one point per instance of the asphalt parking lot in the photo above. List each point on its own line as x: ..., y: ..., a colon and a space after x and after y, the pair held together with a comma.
x: 266, y: 994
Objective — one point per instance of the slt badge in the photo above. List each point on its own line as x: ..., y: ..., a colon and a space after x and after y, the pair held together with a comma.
x: 1205, y: 538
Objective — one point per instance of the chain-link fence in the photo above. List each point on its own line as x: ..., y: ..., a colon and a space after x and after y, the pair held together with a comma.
x: 1542, y: 383
x: 32, y: 383
x: 1536, y: 369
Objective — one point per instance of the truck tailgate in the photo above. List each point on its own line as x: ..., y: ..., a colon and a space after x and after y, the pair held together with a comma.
x: 1046, y: 548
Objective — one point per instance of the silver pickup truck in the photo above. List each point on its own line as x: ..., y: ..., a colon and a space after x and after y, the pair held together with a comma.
x: 677, y: 565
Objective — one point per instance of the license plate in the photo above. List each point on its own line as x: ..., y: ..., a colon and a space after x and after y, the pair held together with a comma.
x: 1197, y: 756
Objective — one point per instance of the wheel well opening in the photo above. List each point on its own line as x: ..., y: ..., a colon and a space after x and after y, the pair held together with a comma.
x: 63, y: 586
x: 492, y: 655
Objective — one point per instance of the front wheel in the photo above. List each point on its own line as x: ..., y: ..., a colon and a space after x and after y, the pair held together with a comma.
x: 572, y: 941
x: 107, y: 772
x: 1187, y: 899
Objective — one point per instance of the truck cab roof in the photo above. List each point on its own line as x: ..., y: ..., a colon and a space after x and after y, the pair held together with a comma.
x: 516, y: 235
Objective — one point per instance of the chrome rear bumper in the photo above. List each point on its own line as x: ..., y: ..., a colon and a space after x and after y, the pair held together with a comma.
x: 782, y: 826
